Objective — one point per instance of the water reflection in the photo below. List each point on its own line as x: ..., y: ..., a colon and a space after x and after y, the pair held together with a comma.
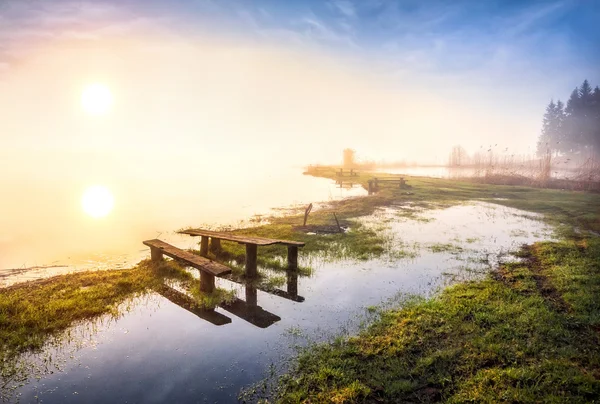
x: 159, y: 352
x: 57, y: 237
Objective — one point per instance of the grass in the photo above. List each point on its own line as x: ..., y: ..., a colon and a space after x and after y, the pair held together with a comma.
x: 530, y: 332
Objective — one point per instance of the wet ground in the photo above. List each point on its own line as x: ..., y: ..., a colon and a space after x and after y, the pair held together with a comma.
x: 159, y: 352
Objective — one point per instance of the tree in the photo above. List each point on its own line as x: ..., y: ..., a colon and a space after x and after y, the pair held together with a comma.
x: 552, y: 129
x: 574, y: 129
x: 458, y: 156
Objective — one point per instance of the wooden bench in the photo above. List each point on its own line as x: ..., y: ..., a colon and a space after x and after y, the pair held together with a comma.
x: 251, y: 243
x: 350, y: 173
x: 374, y: 183
x: 208, y: 269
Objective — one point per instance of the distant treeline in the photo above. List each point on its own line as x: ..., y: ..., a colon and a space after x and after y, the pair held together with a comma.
x: 573, y: 129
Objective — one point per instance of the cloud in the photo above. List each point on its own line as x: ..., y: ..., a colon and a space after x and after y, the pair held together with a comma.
x: 345, y: 7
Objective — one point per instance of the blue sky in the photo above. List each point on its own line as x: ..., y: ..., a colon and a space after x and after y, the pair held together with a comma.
x: 441, y: 38
x: 485, y: 55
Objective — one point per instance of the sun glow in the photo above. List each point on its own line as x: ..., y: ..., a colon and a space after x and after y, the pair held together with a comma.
x: 97, y: 201
x: 96, y: 99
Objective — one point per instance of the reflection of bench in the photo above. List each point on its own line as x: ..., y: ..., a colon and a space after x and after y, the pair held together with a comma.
x: 185, y: 302
x: 208, y: 269
x: 251, y: 246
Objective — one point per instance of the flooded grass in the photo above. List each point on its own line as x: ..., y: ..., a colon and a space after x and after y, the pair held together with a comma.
x: 385, y: 233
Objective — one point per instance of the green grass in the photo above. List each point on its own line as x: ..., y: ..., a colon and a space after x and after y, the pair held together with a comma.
x: 529, y: 332
x: 500, y: 339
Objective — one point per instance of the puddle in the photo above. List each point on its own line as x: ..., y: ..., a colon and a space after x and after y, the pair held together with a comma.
x: 160, y: 352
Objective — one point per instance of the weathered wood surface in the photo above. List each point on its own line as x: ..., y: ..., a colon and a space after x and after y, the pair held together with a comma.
x: 187, y: 303
x: 238, y: 238
x: 193, y: 260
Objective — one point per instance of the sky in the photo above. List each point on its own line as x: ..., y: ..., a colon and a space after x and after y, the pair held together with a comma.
x: 288, y: 82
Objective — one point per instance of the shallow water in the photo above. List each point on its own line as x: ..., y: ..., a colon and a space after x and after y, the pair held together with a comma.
x: 159, y: 352
x: 58, y: 234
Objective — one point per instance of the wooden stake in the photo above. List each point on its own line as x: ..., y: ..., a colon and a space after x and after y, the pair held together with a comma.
x: 338, y: 223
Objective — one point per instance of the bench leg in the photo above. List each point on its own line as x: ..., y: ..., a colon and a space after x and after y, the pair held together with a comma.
x: 204, y: 246
x: 207, y: 282
x: 215, y: 245
x: 251, y: 260
x: 293, y: 257
x: 156, y: 254
x: 292, y: 283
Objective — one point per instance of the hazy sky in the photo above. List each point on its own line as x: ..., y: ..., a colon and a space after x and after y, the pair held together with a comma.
x: 287, y: 82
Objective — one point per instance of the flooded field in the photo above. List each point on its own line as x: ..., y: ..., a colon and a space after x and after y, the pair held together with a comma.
x: 157, y: 351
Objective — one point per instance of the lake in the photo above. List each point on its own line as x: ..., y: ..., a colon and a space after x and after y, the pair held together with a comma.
x: 158, y: 352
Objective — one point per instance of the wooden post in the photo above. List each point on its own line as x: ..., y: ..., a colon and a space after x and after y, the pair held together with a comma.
x: 215, y: 245
x: 306, y: 212
x: 338, y: 223
x: 251, y: 296
x: 204, y: 246
x: 292, y: 257
x: 207, y: 282
x: 370, y: 187
x: 251, y: 260
x: 156, y: 254
x: 292, y: 283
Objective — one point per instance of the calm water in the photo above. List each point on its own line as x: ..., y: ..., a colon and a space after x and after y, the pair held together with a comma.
x: 44, y: 225
x: 159, y: 352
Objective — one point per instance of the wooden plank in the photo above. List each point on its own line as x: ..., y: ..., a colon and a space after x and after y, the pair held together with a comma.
x: 187, y: 303
x: 193, y: 260
x: 261, y: 241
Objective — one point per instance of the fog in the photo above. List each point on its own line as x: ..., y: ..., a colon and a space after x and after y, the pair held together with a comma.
x: 201, y: 131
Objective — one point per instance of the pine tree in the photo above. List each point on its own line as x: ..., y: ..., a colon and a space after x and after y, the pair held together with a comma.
x: 550, y: 130
x: 574, y: 128
x: 571, y: 141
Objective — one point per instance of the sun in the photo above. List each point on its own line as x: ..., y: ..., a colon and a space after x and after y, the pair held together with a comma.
x: 96, y: 99
x: 97, y: 201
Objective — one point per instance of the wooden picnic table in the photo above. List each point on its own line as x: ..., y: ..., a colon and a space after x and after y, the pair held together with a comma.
x: 251, y: 243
